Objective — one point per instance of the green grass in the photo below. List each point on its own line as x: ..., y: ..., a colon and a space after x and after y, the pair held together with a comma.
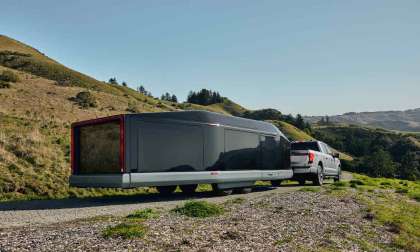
x: 199, y: 209
x: 143, y: 214
x: 237, y: 200
x: 125, y: 231
x: 392, y: 203
x: 310, y: 189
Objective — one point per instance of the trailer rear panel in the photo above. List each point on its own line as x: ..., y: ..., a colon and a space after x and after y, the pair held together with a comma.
x: 98, y: 147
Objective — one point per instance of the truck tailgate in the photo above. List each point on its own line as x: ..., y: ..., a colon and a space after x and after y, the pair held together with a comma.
x: 299, y: 158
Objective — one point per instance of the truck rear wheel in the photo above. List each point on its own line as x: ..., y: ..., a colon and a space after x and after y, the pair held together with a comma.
x: 338, y: 178
x: 166, y: 190
x: 221, y: 192
x: 301, y: 181
x: 319, y: 177
x: 188, y: 189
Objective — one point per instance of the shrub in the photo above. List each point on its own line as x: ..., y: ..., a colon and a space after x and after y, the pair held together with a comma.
x: 4, y: 84
x: 143, y: 214
x: 125, y: 231
x: 200, y: 209
x: 85, y: 99
x: 9, y: 76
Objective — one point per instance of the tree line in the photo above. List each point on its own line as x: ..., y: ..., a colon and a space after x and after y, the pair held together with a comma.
x: 377, y: 153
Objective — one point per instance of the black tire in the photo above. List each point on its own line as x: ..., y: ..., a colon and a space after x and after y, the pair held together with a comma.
x: 221, y: 192
x: 188, y: 189
x: 276, y: 183
x: 166, y: 190
x: 338, y: 177
x: 319, y: 177
x: 301, y: 181
x: 243, y: 190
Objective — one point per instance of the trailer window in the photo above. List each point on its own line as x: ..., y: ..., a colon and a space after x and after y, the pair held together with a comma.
x: 99, y: 148
x: 241, y: 150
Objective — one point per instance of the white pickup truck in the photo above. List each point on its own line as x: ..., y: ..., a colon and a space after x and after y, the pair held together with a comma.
x: 314, y: 160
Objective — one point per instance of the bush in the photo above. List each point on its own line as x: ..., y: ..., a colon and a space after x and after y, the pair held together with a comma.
x: 4, y: 84
x: 125, y: 230
x: 85, y: 99
x: 143, y: 214
x: 8, y: 76
x: 200, y: 209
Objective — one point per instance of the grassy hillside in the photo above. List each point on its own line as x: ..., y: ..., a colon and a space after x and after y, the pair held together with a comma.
x: 378, y: 152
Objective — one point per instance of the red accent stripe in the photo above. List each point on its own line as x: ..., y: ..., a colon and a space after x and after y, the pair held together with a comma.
x: 122, y: 144
x: 72, y: 153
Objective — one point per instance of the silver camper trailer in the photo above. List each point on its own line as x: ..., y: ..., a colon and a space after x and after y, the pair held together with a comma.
x: 177, y: 148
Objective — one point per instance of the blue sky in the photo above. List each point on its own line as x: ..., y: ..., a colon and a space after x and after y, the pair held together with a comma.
x: 309, y: 57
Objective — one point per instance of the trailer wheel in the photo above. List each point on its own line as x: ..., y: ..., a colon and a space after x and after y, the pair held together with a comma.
x: 243, y: 190
x: 188, y: 189
x: 276, y: 183
x: 221, y: 192
x: 166, y: 190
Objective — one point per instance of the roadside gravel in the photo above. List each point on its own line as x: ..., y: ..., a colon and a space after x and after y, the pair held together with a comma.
x: 273, y: 221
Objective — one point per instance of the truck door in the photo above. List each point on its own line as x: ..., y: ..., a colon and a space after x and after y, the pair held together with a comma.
x: 330, y: 160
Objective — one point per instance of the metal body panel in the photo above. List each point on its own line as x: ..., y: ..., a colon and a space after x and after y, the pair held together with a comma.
x: 224, y: 178
x: 175, y: 148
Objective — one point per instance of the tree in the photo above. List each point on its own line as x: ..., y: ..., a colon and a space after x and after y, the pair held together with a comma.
x: 410, y: 166
x: 124, y: 83
x: 174, y: 98
x: 300, y: 123
x: 379, y: 164
x: 113, y: 81
x: 141, y: 89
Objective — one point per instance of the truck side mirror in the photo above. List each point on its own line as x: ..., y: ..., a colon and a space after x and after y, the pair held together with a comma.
x: 336, y: 155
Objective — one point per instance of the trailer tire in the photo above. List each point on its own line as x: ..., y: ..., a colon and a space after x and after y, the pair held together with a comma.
x: 166, y: 190
x: 276, y: 183
x: 243, y: 190
x: 221, y: 192
x: 188, y: 189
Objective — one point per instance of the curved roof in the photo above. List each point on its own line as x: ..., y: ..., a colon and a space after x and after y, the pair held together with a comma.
x: 213, y: 118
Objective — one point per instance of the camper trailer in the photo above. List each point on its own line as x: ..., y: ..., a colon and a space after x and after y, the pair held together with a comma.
x: 172, y: 149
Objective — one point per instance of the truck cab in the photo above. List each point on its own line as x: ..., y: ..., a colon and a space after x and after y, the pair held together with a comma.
x: 314, y: 161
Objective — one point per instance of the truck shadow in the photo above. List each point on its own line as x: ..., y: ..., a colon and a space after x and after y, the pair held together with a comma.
x: 69, y: 203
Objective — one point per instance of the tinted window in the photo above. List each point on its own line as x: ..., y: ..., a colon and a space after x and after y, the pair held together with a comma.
x: 170, y: 147
x: 241, y: 150
x: 270, y: 153
x: 305, y: 146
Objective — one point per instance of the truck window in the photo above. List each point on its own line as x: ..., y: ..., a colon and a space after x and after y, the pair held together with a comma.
x: 305, y: 146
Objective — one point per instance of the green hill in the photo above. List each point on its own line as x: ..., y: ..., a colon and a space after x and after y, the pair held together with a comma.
x: 377, y: 152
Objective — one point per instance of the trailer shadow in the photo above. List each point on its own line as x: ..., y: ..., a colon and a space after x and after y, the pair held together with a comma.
x: 69, y: 203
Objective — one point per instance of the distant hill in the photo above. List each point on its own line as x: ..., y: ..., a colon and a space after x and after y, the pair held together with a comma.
x: 407, y: 120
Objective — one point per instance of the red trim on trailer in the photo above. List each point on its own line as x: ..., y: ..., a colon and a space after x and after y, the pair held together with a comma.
x: 72, y: 153
x: 122, y: 144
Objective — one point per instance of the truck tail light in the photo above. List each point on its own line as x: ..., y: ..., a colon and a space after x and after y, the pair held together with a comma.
x: 311, y: 157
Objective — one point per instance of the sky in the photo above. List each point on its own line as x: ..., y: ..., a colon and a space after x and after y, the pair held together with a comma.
x: 308, y: 57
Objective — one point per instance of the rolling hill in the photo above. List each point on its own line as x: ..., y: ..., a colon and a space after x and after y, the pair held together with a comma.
x: 407, y: 120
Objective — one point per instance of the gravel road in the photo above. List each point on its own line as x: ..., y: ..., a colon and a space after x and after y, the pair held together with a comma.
x: 283, y: 219
x: 42, y: 212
